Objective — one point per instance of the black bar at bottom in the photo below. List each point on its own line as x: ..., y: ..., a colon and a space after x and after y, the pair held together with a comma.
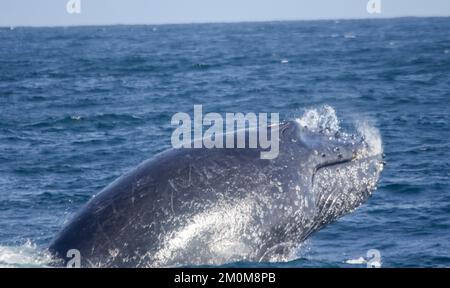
x: 225, y: 277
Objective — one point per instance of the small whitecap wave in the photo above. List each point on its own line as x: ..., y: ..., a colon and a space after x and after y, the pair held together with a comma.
x: 357, y: 261
x: 349, y: 35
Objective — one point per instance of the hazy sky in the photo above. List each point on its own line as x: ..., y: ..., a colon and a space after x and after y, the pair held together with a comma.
x: 53, y: 12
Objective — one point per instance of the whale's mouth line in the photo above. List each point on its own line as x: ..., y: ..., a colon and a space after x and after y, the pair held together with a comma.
x: 331, y: 164
x: 335, y: 163
x: 355, y: 158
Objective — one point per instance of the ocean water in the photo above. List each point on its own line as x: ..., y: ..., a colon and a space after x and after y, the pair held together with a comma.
x: 80, y: 106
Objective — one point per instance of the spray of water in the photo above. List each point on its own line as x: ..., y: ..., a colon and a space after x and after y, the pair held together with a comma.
x: 27, y: 255
x: 322, y: 119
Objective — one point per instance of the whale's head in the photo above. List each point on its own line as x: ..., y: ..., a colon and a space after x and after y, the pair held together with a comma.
x: 341, y: 170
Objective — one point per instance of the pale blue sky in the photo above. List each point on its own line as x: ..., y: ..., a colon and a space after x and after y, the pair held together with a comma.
x: 53, y: 12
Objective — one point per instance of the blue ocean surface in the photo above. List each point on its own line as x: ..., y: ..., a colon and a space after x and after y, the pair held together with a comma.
x: 80, y: 106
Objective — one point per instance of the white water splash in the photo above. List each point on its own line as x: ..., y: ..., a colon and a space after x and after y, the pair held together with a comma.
x: 325, y: 120
x: 27, y: 255
x: 322, y: 119
x: 220, y: 229
x: 371, y: 136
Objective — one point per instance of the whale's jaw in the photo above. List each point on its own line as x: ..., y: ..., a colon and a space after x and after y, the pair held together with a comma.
x: 339, y: 189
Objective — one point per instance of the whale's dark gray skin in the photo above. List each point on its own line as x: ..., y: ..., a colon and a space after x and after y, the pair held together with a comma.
x: 213, y: 206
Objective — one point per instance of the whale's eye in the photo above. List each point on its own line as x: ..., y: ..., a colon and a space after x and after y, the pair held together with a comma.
x: 324, y: 155
x: 284, y: 129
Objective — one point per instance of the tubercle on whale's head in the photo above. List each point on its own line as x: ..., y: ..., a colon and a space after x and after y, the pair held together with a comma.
x: 321, y: 148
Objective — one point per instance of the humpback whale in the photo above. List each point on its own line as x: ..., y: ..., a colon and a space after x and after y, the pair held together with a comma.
x: 214, y: 206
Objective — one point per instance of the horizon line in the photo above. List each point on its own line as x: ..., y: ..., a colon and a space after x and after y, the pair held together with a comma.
x: 221, y: 22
